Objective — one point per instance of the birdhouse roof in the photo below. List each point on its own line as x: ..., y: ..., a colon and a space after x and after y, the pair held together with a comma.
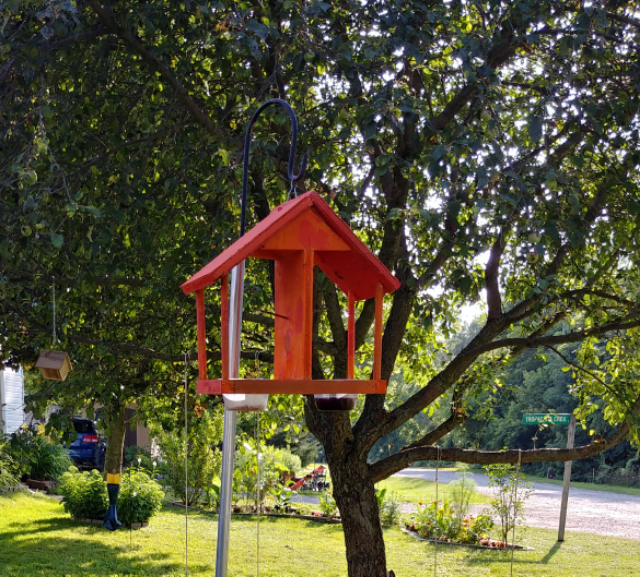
x: 350, y: 264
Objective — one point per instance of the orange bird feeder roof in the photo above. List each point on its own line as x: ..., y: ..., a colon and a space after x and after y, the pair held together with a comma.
x: 355, y: 269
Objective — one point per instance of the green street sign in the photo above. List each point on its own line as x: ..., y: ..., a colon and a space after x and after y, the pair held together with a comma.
x: 537, y: 418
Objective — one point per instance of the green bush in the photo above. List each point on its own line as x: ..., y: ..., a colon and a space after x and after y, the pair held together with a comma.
x: 274, y: 463
x: 204, y: 459
x: 138, y: 457
x: 389, y: 507
x: 140, y: 497
x: 328, y: 504
x: 84, y: 495
x: 37, y: 457
x: 8, y: 477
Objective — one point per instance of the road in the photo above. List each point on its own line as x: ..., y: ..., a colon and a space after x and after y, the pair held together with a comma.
x: 589, y: 511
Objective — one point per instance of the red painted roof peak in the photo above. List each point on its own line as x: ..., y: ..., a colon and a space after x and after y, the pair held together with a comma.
x: 356, y: 269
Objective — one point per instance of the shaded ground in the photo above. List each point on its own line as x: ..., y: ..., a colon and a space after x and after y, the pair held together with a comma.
x: 589, y: 511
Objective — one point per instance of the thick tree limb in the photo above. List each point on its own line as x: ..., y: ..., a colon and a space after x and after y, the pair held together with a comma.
x: 494, y: 301
x: 387, y: 467
x: 152, y: 60
x: 390, y: 465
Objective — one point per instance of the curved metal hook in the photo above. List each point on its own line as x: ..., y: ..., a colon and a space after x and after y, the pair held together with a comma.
x: 293, y: 178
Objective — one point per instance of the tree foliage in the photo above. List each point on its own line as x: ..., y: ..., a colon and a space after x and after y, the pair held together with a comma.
x: 487, y: 151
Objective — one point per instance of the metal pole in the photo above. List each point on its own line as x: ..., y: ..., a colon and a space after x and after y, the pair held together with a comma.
x: 567, y: 480
x: 230, y: 418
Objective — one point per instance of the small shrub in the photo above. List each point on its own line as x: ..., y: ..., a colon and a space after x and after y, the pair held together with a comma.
x: 37, y: 457
x: 8, y: 477
x: 283, y: 497
x: 440, y: 520
x: 511, y: 490
x: 84, y: 495
x: 328, y: 504
x: 204, y: 458
x: 461, y: 490
x: 136, y: 456
x: 389, y: 507
x: 436, y: 520
x: 140, y: 497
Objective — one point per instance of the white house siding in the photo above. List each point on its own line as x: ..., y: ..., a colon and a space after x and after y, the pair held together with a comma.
x: 11, y: 400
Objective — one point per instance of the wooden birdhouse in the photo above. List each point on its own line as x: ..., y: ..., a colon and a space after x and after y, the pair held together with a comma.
x: 54, y: 365
x: 297, y: 235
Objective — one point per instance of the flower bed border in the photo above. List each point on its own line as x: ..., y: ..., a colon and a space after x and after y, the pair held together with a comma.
x: 414, y: 535
x: 319, y: 518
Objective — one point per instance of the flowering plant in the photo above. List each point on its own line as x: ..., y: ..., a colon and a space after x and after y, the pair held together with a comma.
x: 439, y: 520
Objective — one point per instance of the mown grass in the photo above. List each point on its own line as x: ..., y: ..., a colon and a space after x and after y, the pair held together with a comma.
x: 37, y: 538
x: 413, y: 490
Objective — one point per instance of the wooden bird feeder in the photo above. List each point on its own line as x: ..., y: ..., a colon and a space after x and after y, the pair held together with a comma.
x: 297, y: 235
x: 54, y: 365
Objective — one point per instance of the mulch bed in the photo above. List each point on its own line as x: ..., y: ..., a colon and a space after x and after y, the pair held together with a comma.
x: 315, y: 516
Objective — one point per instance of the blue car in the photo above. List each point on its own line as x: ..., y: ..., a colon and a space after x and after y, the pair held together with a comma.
x: 88, y: 449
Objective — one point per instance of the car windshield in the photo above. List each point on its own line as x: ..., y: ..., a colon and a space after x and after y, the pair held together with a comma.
x: 82, y: 427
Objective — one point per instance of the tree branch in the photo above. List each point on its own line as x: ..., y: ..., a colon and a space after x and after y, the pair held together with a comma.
x: 573, y: 337
x: 494, y: 301
x: 387, y: 467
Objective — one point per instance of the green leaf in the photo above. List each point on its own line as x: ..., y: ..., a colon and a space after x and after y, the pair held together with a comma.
x: 57, y: 240
x: 535, y: 128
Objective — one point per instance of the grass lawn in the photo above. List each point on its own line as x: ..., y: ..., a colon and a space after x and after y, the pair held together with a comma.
x: 37, y: 538
x: 422, y: 491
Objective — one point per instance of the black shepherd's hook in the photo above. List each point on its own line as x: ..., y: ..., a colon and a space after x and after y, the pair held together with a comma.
x: 293, y: 178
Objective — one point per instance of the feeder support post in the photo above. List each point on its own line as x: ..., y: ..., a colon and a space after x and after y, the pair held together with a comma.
x: 230, y: 419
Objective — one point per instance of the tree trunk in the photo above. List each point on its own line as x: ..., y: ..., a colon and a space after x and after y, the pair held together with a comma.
x: 115, y: 444
x: 355, y: 496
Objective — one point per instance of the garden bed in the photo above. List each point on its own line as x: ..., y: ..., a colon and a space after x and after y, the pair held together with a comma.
x: 483, y: 544
x: 314, y: 516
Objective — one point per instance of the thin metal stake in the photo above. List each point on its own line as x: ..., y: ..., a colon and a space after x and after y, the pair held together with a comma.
x: 186, y: 471
x: 257, y: 494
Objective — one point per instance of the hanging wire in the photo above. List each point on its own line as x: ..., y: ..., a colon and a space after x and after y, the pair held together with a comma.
x: 186, y: 470
x: 515, y: 512
x: 130, y: 511
x: 55, y: 337
x: 257, y: 475
x: 435, y: 546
